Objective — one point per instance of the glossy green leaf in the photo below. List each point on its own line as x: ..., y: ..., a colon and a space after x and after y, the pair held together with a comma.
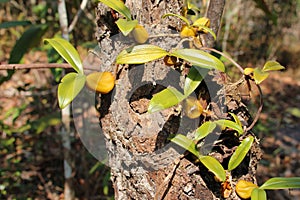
x: 272, y: 66
x: 205, y: 129
x: 71, y: 84
x: 199, y: 58
x: 281, y: 183
x: 140, y: 54
x: 185, y: 143
x: 236, y: 119
x: 193, y: 80
x: 10, y: 24
x: 294, y: 111
x: 258, y: 194
x: 230, y: 124
x: 178, y: 16
x: 118, y: 6
x: 165, y: 99
x: 240, y: 153
x: 126, y: 26
x: 68, y: 52
x: 214, y: 166
x: 259, y: 76
x: 30, y: 38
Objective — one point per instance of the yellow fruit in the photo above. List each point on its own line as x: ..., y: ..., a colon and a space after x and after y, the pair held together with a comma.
x: 170, y: 60
x: 140, y: 34
x: 192, y: 107
x: 102, y: 82
x: 187, y: 31
x: 244, y: 188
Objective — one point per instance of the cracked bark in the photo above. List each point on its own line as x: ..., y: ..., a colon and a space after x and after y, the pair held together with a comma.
x: 144, y: 164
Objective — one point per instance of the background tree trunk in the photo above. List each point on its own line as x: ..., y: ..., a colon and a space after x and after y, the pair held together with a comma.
x: 144, y: 164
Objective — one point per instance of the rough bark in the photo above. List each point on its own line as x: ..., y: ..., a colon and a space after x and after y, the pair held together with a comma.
x: 144, y: 164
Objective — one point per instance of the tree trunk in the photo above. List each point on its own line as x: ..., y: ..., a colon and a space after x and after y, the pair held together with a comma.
x: 144, y: 163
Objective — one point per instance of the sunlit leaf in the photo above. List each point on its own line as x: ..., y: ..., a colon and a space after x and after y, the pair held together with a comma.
x: 230, y: 124
x: 199, y: 58
x: 281, y: 183
x: 118, y: 6
x: 272, y: 66
x: 126, y: 26
x: 294, y: 111
x: 140, y: 54
x: 258, y: 194
x: 165, y: 99
x: 10, y: 24
x: 68, y: 52
x: 214, y: 166
x: 185, y: 143
x: 240, y: 153
x: 193, y: 79
x: 205, y: 129
x: 178, y: 16
x: 244, y: 188
x: 30, y: 38
x: 259, y: 76
x: 71, y: 84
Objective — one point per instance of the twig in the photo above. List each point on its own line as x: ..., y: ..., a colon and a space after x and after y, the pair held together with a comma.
x: 258, y: 111
x: 79, y: 12
x: 226, y: 56
x: 38, y: 66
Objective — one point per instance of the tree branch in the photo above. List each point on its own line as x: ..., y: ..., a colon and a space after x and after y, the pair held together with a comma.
x: 34, y: 66
x: 214, y: 13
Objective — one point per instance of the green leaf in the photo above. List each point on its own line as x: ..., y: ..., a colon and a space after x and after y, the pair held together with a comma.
x: 294, y: 111
x: 126, y: 26
x: 140, y: 54
x: 186, y: 143
x: 281, y: 183
x: 214, y: 166
x: 258, y: 194
x: 30, y: 38
x: 4, y: 1
x: 236, y: 119
x: 259, y: 76
x: 205, y: 129
x: 272, y: 66
x: 10, y: 24
x: 240, y: 153
x: 165, y: 99
x: 68, y: 52
x: 178, y: 16
x: 199, y: 58
x: 118, y: 6
x: 230, y: 124
x: 71, y: 84
x: 193, y: 80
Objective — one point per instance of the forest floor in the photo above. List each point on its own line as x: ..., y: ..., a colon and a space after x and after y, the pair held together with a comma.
x: 31, y: 153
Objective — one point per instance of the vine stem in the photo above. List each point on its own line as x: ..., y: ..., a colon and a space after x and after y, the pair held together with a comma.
x: 226, y: 56
x: 258, y: 110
